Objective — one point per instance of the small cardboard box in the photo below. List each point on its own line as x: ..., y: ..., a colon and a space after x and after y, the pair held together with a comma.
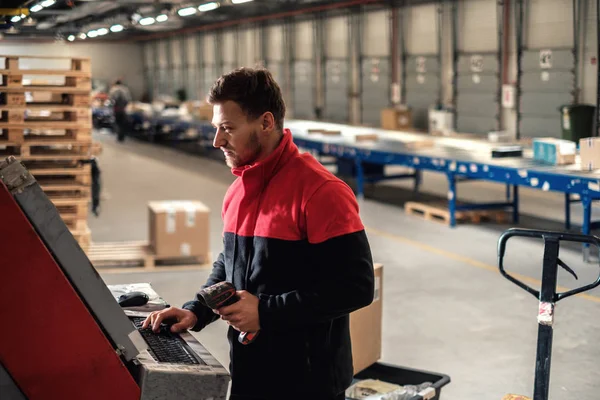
x: 366, y: 328
x: 179, y: 229
x: 440, y: 122
x: 396, y: 118
x: 204, y: 112
x: 589, y: 150
x: 554, y: 151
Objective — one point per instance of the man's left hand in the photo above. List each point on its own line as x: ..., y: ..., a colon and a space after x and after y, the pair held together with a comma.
x: 242, y: 315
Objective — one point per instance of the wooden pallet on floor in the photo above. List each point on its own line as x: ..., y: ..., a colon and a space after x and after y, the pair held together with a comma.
x: 82, y: 233
x: 72, y: 171
x: 42, y: 137
x: 71, y: 207
x: 138, y: 254
x: 50, y: 150
x: 438, y: 212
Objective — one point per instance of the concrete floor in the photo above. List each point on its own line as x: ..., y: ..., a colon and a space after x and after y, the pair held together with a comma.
x: 446, y: 309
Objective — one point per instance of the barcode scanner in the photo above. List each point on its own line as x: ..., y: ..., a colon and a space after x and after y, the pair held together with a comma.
x: 220, y: 295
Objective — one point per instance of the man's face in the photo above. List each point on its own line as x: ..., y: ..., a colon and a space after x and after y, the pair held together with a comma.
x: 236, y: 135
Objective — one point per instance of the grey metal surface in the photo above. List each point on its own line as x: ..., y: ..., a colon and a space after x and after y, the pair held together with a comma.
x: 304, y: 89
x: 477, y: 102
x: 422, y: 86
x: 164, y: 381
x: 532, y: 103
x: 336, y: 90
x: 8, y: 388
x: 276, y: 69
x: 540, y: 126
x: 375, y: 93
x: 210, y: 76
x: 546, y: 84
x: 46, y: 220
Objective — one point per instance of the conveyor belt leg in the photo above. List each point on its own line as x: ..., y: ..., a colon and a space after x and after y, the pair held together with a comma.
x: 587, y: 219
x: 515, y: 202
x: 418, y: 178
x: 567, y: 211
x: 360, y: 179
x: 452, y: 199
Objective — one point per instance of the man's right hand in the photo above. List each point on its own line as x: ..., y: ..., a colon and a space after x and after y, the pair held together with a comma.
x: 185, y: 319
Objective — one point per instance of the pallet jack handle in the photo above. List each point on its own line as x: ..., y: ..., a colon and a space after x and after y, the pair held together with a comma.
x: 547, y: 295
x: 551, y: 260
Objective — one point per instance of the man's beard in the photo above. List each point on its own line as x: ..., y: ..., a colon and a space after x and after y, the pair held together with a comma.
x: 255, y: 150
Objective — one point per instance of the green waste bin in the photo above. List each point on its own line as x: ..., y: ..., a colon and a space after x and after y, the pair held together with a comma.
x: 577, y: 121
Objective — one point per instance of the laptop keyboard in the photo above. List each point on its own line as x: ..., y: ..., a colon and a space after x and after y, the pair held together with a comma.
x: 165, y: 346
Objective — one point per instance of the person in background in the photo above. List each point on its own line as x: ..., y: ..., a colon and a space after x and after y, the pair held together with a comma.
x: 295, y: 249
x: 120, y: 97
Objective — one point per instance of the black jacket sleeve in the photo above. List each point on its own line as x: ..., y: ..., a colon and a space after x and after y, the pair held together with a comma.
x: 204, y: 314
x: 344, y: 284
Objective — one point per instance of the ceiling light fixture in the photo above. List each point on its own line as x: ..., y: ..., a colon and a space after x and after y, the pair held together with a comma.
x: 147, y: 21
x: 36, y: 8
x: 92, y: 34
x: 15, y: 19
x: 208, y: 6
x: 102, y: 31
x: 47, y: 3
x: 71, y: 38
x: 241, y: 1
x: 116, y: 28
x: 82, y: 36
x: 162, y: 18
x: 184, y: 12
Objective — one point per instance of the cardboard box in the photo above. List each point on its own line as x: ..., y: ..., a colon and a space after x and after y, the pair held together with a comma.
x: 396, y: 118
x: 179, y: 229
x: 440, y: 122
x: 366, y: 328
x: 554, y: 151
x: 589, y: 150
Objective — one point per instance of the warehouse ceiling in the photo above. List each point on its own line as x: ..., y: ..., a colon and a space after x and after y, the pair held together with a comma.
x: 138, y: 19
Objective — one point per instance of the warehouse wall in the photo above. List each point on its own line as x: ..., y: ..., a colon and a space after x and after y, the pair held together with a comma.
x: 334, y: 74
x: 109, y: 61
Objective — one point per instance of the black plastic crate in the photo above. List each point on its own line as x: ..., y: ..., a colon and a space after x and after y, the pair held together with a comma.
x: 405, y: 376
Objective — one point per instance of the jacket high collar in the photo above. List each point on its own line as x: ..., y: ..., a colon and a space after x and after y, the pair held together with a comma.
x: 261, y: 172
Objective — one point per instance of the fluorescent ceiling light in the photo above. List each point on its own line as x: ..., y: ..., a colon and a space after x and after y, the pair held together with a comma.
x: 241, y: 1
x: 162, y: 18
x: 184, y: 12
x: 116, y: 28
x: 102, y: 31
x: 15, y: 19
x: 208, y: 6
x: 92, y: 34
x: 147, y: 21
x: 47, y: 3
x: 82, y: 36
x: 71, y: 38
x: 36, y: 8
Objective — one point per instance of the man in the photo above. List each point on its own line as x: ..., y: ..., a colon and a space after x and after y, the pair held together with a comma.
x: 294, y: 248
x: 120, y: 96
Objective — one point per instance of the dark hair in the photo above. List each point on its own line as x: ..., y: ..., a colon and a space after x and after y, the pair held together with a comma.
x: 118, y: 82
x: 254, y: 90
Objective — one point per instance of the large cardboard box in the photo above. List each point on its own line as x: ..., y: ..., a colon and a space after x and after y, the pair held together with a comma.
x: 589, y: 150
x: 366, y: 328
x: 179, y: 229
x: 396, y: 118
x: 554, y: 151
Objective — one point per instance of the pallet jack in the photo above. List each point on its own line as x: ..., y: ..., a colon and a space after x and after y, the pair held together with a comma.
x: 547, y: 295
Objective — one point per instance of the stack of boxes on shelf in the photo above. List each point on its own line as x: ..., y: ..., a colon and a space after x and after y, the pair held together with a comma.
x: 48, y: 127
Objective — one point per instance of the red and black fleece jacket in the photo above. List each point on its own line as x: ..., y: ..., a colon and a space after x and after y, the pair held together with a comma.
x: 294, y: 238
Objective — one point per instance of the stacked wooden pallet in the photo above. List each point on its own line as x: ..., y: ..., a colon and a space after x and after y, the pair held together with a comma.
x: 49, y: 128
